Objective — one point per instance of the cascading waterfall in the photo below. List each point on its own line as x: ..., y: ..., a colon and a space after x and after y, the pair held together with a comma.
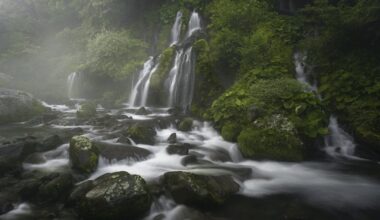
x: 194, y: 24
x: 137, y: 95
x: 176, y: 29
x: 338, y: 143
x: 73, y: 81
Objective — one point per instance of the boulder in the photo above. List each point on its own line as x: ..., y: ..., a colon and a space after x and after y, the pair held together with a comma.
x: 112, y: 151
x: 199, y: 190
x: 186, y: 125
x: 55, y: 187
x: 124, y: 140
x: 50, y: 143
x: 16, y: 106
x: 87, y: 110
x: 172, y: 139
x: 116, y: 196
x: 83, y: 154
x: 143, y: 111
x: 180, y: 149
x: 142, y: 134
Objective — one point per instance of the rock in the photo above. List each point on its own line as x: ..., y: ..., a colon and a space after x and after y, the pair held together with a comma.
x: 56, y: 187
x: 116, y: 196
x: 253, y: 113
x: 273, y: 137
x: 143, y: 111
x: 51, y: 143
x: 189, y: 159
x: 105, y: 120
x: 87, y: 110
x: 142, y: 134
x: 112, y: 151
x: 6, y: 204
x: 186, y: 125
x: 36, y: 158
x: 83, y: 154
x: 180, y: 149
x: 16, y: 106
x: 175, y: 111
x: 9, y: 166
x: 20, y: 148
x: 231, y: 131
x: 198, y: 190
x: 124, y: 140
x: 172, y: 138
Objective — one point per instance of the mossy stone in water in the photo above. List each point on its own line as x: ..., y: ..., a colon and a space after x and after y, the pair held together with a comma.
x: 142, y: 134
x: 231, y: 131
x: 115, y: 196
x: 186, y: 125
x: 87, y: 110
x: 273, y: 137
x: 83, y: 154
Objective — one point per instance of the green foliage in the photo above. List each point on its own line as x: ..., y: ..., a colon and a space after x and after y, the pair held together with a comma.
x: 165, y: 63
x: 230, y: 132
x: 271, y: 138
x: 116, y: 54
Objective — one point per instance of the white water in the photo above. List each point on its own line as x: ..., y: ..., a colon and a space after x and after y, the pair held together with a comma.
x: 338, y: 143
x: 22, y: 211
x: 144, y: 97
x: 194, y: 23
x: 176, y: 29
x: 138, y: 88
x: 73, y: 82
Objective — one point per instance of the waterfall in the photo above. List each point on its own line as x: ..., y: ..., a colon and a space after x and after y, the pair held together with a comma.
x: 176, y: 29
x: 145, y: 93
x: 73, y: 81
x: 338, y: 143
x: 180, y: 82
x: 138, y: 89
x: 194, y: 23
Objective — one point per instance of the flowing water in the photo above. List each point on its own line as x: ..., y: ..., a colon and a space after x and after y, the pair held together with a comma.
x: 73, y: 82
x: 136, y: 97
x: 194, y: 24
x: 338, y: 143
x: 176, y: 29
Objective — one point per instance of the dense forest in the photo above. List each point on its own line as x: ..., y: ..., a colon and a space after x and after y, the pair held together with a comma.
x: 189, y: 109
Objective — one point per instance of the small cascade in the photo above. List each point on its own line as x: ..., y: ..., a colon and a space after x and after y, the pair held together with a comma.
x: 338, y: 143
x: 176, y: 29
x: 138, y: 89
x: 194, y: 23
x: 73, y: 82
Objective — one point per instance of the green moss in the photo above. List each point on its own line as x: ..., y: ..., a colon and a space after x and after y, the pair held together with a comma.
x: 165, y: 63
x: 186, y: 124
x: 230, y: 132
x: 272, y: 138
x: 142, y: 134
x: 83, y: 154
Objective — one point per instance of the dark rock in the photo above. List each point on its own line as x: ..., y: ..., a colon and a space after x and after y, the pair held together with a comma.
x: 186, y: 125
x: 83, y: 154
x: 180, y: 149
x: 190, y: 159
x: 56, y: 188
x: 80, y: 191
x: 198, y: 190
x: 172, y: 138
x: 142, y: 134
x: 9, y: 165
x: 36, y: 158
x: 116, y: 196
x: 112, y: 151
x: 6, y: 204
x: 51, y: 143
x: 143, y: 111
x: 124, y: 140
x: 20, y: 149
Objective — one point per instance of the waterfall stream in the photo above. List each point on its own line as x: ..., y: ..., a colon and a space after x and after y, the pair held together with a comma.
x: 176, y: 29
x: 338, y: 143
x: 73, y: 81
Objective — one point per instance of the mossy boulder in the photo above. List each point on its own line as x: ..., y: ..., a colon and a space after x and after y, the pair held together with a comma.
x: 142, y: 134
x: 83, y: 154
x: 87, y: 110
x: 231, y: 131
x: 116, y: 196
x: 273, y: 138
x: 16, y: 106
x: 186, y: 124
x: 199, y: 190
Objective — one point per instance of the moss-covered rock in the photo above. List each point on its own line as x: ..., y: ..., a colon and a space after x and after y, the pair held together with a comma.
x: 115, y: 196
x: 186, y: 124
x: 231, y: 131
x: 198, y: 190
x: 83, y: 154
x: 142, y: 134
x: 273, y: 137
x: 87, y: 110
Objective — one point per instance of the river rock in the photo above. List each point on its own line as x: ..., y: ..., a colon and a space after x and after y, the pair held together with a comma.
x: 9, y: 166
x: 112, y: 151
x: 18, y: 106
x: 186, y: 125
x: 51, y: 142
x: 172, y: 139
x: 180, y: 149
x: 55, y: 187
x: 116, y: 196
x: 83, y: 154
x: 124, y: 140
x: 143, y: 111
x: 198, y: 190
x: 142, y: 134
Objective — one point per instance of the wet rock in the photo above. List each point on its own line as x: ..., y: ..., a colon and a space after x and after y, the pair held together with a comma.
x: 104, y: 120
x: 143, y: 111
x: 6, y: 204
x: 112, y: 151
x: 180, y: 149
x: 36, y: 158
x: 50, y: 143
x: 56, y: 187
x: 190, y: 159
x: 124, y: 140
x: 20, y: 148
x: 116, y: 196
x: 186, y: 125
x: 198, y: 190
x: 87, y: 110
x: 16, y: 106
x: 142, y: 134
x: 172, y: 138
x: 9, y: 166
x: 83, y: 154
